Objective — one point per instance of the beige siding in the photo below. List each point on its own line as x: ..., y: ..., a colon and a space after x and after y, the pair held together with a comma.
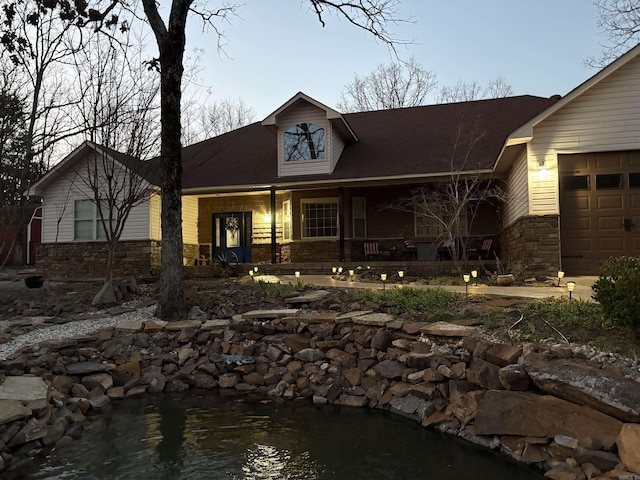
x: 58, y: 214
x: 304, y: 113
x: 337, y: 146
x: 604, y: 118
x: 517, y: 204
x: 155, y: 222
x: 190, y: 220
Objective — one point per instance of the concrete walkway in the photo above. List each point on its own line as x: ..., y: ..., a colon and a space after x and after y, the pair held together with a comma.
x: 582, y: 291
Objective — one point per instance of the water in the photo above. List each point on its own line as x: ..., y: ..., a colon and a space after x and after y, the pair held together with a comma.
x: 204, y: 436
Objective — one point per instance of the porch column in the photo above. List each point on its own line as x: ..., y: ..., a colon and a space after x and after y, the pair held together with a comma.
x: 274, y: 246
x: 341, y: 222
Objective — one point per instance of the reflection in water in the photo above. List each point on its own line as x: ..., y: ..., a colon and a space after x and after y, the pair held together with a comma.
x: 199, y: 435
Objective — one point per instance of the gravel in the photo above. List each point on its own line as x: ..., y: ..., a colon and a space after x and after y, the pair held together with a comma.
x: 74, y: 329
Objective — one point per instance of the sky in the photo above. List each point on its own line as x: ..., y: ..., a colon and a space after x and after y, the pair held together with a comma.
x: 275, y: 48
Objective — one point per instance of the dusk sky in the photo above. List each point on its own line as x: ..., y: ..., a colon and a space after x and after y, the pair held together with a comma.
x: 275, y: 48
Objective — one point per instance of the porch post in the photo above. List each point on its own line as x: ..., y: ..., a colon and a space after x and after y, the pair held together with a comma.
x: 273, y: 225
x: 341, y: 222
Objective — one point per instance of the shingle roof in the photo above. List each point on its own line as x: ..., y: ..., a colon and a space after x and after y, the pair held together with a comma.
x: 406, y: 142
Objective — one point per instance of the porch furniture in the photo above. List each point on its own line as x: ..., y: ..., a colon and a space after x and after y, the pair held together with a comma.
x: 479, y: 248
x: 410, y: 249
x: 427, y: 251
x: 371, y: 249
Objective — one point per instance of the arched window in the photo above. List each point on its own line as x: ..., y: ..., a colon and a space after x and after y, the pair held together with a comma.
x: 304, y: 141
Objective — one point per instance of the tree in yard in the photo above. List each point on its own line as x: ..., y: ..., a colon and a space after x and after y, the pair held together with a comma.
x: 396, y: 85
x: 225, y: 115
x: 374, y: 16
x: 446, y: 209
x: 120, y: 115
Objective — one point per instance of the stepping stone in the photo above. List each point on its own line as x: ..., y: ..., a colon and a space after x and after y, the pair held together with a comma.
x: 82, y: 368
x: 23, y: 388
x: 349, y: 316
x: 216, y: 326
x: 446, y: 329
x: 313, y: 296
x: 11, y: 410
x: 285, y: 312
x: 181, y: 325
x: 374, y: 319
x: 130, y: 326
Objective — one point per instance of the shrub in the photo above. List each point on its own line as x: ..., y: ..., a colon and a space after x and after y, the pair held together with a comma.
x: 413, y: 299
x: 617, y: 289
x: 561, y: 312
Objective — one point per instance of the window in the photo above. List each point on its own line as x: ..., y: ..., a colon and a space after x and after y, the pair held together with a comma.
x: 359, y: 213
x: 286, y: 220
x: 320, y: 218
x: 608, y: 181
x: 304, y: 141
x: 433, y: 223
x: 86, y: 220
x: 634, y: 180
x: 576, y: 182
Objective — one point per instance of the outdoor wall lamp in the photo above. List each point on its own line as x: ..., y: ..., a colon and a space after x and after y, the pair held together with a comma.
x: 571, y: 286
x: 560, y: 276
x: 466, y: 278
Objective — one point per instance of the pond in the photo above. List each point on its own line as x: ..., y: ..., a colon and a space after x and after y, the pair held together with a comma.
x: 201, y: 435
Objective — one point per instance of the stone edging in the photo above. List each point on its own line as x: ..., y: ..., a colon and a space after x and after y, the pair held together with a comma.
x: 566, y: 415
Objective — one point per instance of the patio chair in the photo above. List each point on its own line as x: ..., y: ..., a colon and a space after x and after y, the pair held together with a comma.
x: 371, y: 249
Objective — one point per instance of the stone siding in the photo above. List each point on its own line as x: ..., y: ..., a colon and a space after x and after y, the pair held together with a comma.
x: 87, y: 259
x: 531, y: 246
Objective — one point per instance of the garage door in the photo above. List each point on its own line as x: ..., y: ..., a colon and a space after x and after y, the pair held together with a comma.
x: 599, y: 208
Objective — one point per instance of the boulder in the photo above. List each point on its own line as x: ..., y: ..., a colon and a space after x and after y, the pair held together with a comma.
x: 374, y: 319
x: 483, y: 374
x: 502, y: 354
x: 447, y: 329
x: 514, y: 377
x: 390, y: 369
x: 629, y: 446
x: 11, y: 410
x: 593, y: 387
x: 529, y: 414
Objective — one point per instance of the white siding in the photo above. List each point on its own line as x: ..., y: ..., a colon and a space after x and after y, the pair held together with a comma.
x: 337, y: 146
x: 517, y: 204
x: 604, y: 118
x: 58, y: 205
x: 304, y: 112
x: 190, y: 220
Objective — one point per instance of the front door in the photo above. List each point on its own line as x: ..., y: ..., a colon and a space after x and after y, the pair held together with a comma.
x: 232, y: 236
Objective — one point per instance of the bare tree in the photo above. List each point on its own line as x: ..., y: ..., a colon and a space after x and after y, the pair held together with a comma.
x: 620, y: 22
x: 119, y: 111
x: 469, y: 91
x: 396, y: 85
x: 374, y: 16
x: 445, y: 210
x: 225, y: 115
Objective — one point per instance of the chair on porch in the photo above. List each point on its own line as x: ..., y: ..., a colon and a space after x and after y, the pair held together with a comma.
x: 371, y: 249
x: 480, y: 248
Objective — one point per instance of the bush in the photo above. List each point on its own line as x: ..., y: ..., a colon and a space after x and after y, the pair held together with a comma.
x: 413, y: 299
x: 561, y: 312
x: 617, y: 289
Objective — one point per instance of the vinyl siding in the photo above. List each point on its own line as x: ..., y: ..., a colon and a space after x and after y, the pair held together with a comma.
x: 604, y: 118
x: 190, y: 220
x: 155, y: 222
x: 518, y: 195
x: 58, y: 210
x: 304, y: 113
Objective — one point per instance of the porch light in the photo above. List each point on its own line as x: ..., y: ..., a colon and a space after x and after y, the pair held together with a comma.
x: 383, y: 277
x: 334, y: 270
x: 571, y: 286
x: 560, y: 275
x: 267, y: 218
x: 474, y: 274
x: 466, y: 278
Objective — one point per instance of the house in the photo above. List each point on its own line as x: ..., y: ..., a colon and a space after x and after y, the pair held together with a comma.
x: 309, y: 184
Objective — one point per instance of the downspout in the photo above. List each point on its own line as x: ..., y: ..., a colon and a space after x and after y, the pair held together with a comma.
x: 28, y: 249
x: 341, y: 223
x: 273, y: 225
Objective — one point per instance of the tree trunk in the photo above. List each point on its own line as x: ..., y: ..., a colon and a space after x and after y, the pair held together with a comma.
x: 172, y: 303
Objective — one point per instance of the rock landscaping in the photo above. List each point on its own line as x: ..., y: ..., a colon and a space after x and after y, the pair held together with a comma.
x: 573, y: 417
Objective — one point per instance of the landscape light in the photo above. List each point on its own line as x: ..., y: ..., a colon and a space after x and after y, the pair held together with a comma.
x: 571, y: 286
x: 383, y: 277
x: 334, y: 270
x: 339, y: 269
x: 400, y: 273
x: 560, y: 275
x: 351, y: 272
x: 466, y: 278
x: 474, y: 274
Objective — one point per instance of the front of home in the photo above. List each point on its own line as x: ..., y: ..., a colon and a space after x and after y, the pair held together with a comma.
x: 309, y: 184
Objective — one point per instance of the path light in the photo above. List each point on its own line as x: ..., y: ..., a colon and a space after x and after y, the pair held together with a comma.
x: 334, y: 270
x: 560, y: 275
x: 251, y: 273
x: 351, y: 272
x: 383, y: 277
x: 340, y: 270
x: 400, y: 273
x: 297, y: 274
x: 466, y: 277
x: 474, y: 274
x: 571, y: 286
x: 255, y: 269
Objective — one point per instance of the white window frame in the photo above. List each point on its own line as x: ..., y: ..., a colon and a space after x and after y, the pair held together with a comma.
x: 287, y: 224
x: 97, y: 230
x: 303, y: 221
x: 359, y: 213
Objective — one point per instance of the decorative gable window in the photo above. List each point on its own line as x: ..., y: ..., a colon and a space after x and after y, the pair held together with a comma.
x: 86, y: 220
x: 304, y: 141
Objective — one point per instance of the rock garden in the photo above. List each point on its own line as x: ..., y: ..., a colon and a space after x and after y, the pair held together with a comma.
x: 573, y: 413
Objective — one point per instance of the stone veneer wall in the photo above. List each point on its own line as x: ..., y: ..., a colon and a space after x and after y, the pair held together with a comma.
x: 87, y: 259
x: 532, y: 245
